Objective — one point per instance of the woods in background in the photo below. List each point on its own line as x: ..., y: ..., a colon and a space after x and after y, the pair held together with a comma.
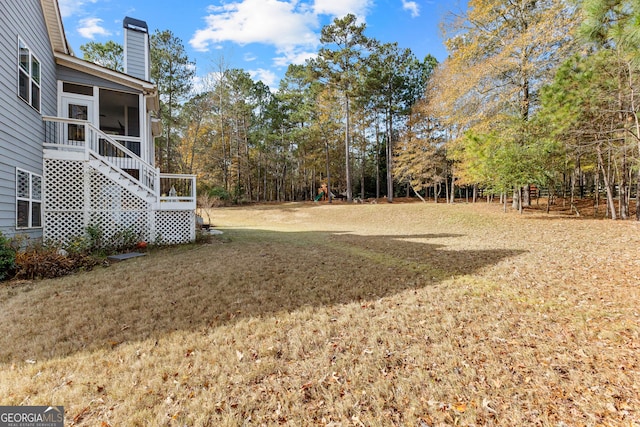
x: 534, y: 94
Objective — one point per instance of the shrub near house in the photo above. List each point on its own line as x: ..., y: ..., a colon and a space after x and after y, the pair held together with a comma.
x: 7, y: 258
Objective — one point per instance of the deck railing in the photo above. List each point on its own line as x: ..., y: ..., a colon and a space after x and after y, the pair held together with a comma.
x: 172, y: 190
x: 177, y: 190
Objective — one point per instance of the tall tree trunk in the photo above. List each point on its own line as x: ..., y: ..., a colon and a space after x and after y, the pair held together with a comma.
x: 363, y: 158
x: 283, y: 184
x: 225, y: 165
x: 389, y: 154
x: 526, y: 196
x: 446, y: 189
x: 347, y: 150
x: 238, y: 163
x: 636, y: 122
x: 516, y: 203
x: 377, y: 158
x: 265, y: 182
x: 248, y: 190
x: 313, y: 185
x: 259, y: 176
x: 638, y: 197
x: 596, y: 184
x: 624, y: 188
x: 169, y: 123
x: 607, y: 184
x: 326, y: 153
x: 520, y: 207
x: 453, y: 187
x: 572, y: 183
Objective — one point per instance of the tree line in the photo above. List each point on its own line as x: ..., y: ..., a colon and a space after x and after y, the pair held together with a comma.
x: 535, y: 95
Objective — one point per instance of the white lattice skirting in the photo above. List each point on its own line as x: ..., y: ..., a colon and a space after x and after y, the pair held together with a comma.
x: 173, y: 227
x: 77, y: 196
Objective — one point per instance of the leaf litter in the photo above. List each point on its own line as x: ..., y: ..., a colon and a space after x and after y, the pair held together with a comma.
x: 404, y: 314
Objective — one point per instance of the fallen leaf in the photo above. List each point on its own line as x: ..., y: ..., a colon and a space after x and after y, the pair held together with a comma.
x: 460, y: 407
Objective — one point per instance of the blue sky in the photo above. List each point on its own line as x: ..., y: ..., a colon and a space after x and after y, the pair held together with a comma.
x: 260, y: 36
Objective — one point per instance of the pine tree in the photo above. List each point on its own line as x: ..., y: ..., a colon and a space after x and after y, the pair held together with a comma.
x: 172, y: 71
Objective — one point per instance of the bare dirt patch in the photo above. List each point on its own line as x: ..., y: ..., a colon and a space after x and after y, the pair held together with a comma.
x: 304, y: 314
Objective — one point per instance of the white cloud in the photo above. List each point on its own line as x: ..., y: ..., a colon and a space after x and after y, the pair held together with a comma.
x: 292, y: 27
x: 200, y: 85
x: 90, y: 27
x: 293, y: 56
x: 249, y: 57
x: 267, y: 77
x: 339, y: 8
x: 412, y: 7
x: 273, y: 22
x: 72, y: 7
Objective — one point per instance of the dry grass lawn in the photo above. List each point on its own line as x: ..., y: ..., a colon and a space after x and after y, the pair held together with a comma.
x: 343, y: 315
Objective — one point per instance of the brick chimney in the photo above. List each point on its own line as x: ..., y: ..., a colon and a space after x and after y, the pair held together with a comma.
x: 136, y: 48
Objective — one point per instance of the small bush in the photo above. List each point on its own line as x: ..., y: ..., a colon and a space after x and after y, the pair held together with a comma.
x: 95, y: 237
x: 50, y: 262
x: 42, y: 264
x: 7, y: 258
x: 219, y: 193
x: 96, y: 242
x: 125, y: 240
x: 78, y: 245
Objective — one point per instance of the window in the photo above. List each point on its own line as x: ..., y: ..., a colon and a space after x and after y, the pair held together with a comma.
x: 28, y: 76
x: 28, y: 199
x: 76, y: 88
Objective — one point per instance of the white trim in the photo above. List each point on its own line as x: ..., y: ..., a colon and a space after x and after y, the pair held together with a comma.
x: 148, y: 89
x: 147, y: 58
x: 143, y: 125
x: 96, y: 107
x: 55, y: 154
x: 93, y: 114
x: 125, y: 64
x: 115, y: 76
x: 30, y: 200
x: 29, y: 73
x: 55, y: 28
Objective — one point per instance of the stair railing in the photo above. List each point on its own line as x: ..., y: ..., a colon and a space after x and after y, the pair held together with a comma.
x: 81, y: 135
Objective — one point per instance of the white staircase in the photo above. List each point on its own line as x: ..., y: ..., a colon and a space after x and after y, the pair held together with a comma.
x: 99, y: 182
x: 123, y: 179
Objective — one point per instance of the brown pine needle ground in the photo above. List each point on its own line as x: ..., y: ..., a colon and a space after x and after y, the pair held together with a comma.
x: 344, y: 315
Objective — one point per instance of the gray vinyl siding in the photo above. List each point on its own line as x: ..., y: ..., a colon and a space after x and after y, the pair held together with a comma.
x: 21, y: 126
x: 135, y: 56
x: 72, y: 76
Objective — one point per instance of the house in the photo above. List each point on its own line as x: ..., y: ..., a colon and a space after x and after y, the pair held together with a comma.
x: 77, y: 139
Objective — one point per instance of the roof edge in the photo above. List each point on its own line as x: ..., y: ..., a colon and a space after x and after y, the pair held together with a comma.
x: 55, y: 27
x: 147, y: 88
